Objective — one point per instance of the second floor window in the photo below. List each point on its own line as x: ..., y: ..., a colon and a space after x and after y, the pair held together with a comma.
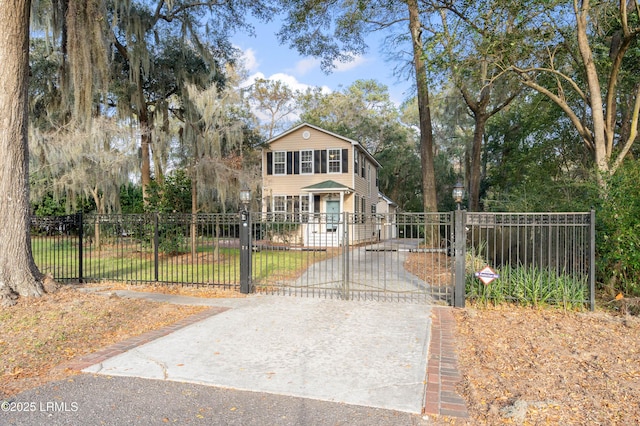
x: 279, y: 162
x: 306, y: 161
x: 334, y: 161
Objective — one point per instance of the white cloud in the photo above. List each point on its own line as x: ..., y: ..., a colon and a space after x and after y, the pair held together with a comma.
x: 311, y: 64
x: 357, y: 61
x: 304, y: 66
x: 249, y: 60
x: 287, y: 79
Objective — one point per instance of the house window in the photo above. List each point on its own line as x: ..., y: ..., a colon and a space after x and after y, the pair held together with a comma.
x: 279, y: 162
x: 306, y: 162
x: 304, y: 208
x: 279, y: 204
x: 334, y: 161
x: 356, y: 156
x: 364, y: 208
x: 356, y: 208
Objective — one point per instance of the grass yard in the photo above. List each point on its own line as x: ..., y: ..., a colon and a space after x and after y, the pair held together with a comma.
x: 135, y: 262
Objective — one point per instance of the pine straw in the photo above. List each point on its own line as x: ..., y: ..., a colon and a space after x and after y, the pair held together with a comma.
x: 526, y: 366
x: 40, y: 334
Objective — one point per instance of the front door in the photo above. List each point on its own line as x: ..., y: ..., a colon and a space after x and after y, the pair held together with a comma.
x: 333, y: 215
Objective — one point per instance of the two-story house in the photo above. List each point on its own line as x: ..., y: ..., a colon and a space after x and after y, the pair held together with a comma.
x: 313, y: 176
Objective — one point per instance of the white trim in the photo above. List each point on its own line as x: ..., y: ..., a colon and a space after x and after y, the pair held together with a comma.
x: 284, y: 163
x: 351, y: 141
x: 329, y: 172
x: 310, y: 161
x: 273, y: 204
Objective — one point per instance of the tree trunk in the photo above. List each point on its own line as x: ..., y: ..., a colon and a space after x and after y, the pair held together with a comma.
x: 194, y: 217
x: 476, y: 162
x: 145, y: 145
x: 19, y: 274
x: 595, y: 92
x: 430, y: 202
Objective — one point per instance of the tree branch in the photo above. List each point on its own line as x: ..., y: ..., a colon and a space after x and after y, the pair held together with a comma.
x: 586, y: 134
x: 557, y: 73
x: 632, y: 135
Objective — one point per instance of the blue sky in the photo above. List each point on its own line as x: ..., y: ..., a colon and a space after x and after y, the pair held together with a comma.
x: 266, y: 58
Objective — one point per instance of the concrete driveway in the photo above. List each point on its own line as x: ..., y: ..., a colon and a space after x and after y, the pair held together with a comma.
x: 364, y: 353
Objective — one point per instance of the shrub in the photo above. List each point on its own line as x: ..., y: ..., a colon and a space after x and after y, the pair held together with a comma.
x: 618, y: 232
x: 530, y: 286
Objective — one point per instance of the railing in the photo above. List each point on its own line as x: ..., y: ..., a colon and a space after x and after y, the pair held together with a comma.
x: 540, y: 257
x: 173, y: 248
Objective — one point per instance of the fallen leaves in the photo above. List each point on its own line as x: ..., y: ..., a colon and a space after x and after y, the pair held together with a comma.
x: 40, y: 334
x: 529, y: 366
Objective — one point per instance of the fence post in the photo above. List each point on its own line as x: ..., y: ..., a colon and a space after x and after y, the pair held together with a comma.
x: 80, y: 223
x: 459, y: 250
x: 346, y: 221
x: 592, y: 262
x: 156, y: 242
x: 245, y: 252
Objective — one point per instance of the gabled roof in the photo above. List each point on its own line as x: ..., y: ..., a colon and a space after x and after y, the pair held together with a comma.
x: 386, y: 199
x: 326, y: 186
x: 335, y: 135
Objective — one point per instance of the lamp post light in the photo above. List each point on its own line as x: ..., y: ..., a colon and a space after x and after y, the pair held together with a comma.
x: 245, y: 198
x: 458, y: 193
x: 459, y: 240
x: 245, y: 242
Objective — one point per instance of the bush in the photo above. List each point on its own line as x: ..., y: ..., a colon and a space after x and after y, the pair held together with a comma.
x: 618, y: 232
x: 529, y: 286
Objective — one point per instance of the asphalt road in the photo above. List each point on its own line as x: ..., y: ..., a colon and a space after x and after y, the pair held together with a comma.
x: 90, y: 399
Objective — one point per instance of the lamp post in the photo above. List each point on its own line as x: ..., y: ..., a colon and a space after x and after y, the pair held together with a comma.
x: 459, y: 247
x: 245, y: 242
x: 245, y: 198
x: 458, y: 193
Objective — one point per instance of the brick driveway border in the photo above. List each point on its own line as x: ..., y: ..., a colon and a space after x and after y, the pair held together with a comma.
x: 443, y: 374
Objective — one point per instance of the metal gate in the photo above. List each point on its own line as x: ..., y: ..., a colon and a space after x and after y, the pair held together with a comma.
x: 536, y: 257
x: 402, y: 256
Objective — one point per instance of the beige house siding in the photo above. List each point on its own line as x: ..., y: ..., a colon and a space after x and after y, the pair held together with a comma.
x: 283, y: 174
x: 292, y: 184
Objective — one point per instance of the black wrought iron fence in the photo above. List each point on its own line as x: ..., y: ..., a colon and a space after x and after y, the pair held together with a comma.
x: 198, y: 249
x: 539, y: 257
x: 395, y: 257
x: 56, y: 243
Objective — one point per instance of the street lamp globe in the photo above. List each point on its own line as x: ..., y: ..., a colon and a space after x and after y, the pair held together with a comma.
x: 458, y: 193
x: 245, y: 196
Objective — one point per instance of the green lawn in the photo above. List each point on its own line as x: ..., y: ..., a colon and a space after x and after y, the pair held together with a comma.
x: 135, y: 262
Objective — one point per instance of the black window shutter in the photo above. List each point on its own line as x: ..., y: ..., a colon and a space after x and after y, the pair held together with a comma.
x: 316, y: 161
x: 296, y: 162
x: 345, y: 161
x: 323, y: 161
x: 289, y: 162
x: 269, y: 163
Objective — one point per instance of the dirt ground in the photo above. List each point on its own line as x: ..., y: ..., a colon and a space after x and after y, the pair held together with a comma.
x: 545, y: 366
x: 519, y: 365
x: 41, y: 335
